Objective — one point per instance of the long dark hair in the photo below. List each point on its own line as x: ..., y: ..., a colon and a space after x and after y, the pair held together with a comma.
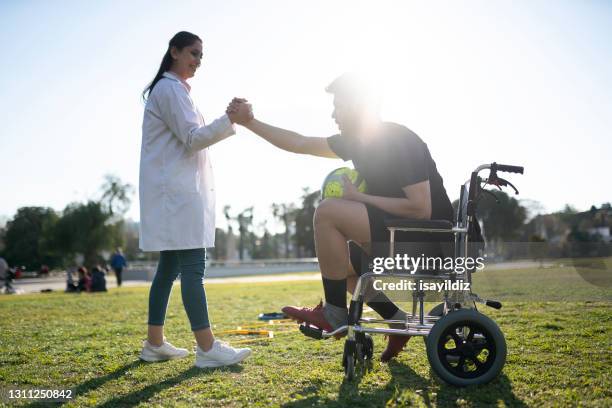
x: 180, y: 40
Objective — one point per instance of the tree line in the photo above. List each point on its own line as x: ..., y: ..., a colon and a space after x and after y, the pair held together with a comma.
x: 86, y: 233
x: 80, y: 234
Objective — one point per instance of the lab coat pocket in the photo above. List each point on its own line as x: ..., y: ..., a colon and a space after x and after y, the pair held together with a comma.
x: 186, y: 215
x: 184, y: 176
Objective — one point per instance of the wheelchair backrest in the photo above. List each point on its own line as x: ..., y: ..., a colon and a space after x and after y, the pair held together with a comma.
x: 474, y: 235
x: 461, y: 215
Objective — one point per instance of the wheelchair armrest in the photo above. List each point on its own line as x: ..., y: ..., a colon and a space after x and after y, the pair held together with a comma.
x: 419, y: 224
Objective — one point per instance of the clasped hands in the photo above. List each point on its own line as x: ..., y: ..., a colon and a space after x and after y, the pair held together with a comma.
x: 239, y: 111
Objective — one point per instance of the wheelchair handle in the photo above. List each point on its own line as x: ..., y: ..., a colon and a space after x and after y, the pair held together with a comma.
x: 507, y: 168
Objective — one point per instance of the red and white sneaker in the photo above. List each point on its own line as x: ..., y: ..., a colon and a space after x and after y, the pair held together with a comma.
x: 311, y: 315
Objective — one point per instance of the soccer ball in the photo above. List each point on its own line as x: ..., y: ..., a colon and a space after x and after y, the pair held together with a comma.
x: 333, y: 185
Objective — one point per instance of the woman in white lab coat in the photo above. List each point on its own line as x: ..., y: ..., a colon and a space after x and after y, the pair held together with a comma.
x: 177, y: 200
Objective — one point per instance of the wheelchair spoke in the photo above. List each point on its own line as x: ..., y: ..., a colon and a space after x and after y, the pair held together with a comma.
x: 477, y: 362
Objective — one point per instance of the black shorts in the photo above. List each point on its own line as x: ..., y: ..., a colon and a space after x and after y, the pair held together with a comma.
x: 413, y: 243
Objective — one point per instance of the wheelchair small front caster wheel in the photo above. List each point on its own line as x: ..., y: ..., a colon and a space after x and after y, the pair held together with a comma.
x: 364, y: 345
x: 368, y: 347
x: 466, y: 348
x: 349, y: 359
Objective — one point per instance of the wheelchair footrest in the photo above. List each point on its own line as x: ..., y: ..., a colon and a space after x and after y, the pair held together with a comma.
x: 494, y: 304
x: 311, y: 331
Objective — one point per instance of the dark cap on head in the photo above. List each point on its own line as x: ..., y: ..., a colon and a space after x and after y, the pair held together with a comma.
x: 356, y: 88
x: 344, y: 83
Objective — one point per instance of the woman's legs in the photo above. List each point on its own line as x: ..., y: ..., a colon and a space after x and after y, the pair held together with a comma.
x: 190, y: 264
x: 167, y: 271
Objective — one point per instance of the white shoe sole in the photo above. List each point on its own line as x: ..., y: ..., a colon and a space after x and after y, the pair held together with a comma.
x: 151, y: 358
x: 214, y: 363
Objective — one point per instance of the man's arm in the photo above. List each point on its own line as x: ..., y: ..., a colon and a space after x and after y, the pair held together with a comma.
x: 416, y: 204
x: 291, y: 141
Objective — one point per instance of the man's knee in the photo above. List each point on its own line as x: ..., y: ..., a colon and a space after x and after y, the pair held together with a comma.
x: 348, y: 217
x: 325, y: 211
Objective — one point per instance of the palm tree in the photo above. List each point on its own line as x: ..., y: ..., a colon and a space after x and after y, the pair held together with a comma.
x: 285, y: 213
x: 245, y: 220
x: 116, y: 195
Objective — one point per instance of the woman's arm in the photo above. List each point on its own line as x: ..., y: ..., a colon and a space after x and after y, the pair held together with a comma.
x: 180, y: 115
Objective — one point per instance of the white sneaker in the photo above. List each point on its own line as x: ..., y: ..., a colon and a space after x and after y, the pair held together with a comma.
x: 164, y: 352
x: 221, y: 354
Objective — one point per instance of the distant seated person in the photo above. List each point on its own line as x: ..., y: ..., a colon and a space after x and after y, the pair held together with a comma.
x: 98, y: 279
x: 84, y: 284
x: 71, y: 286
x: 44, y: 271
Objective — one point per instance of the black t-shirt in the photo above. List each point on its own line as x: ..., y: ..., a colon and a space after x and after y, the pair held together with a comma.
x: 394, y: 158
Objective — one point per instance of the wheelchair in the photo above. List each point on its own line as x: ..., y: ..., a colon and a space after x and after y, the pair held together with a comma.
x: 464, y: 347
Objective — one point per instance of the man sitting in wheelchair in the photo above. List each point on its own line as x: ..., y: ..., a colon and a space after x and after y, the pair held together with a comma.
x: 402, y: 182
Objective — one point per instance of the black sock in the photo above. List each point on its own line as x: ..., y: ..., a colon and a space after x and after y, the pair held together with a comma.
x: 379, y: 302
x: 335, y: 292
x: 382, y: 305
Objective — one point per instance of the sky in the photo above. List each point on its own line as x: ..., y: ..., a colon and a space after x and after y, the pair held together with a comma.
x: 517, y: 82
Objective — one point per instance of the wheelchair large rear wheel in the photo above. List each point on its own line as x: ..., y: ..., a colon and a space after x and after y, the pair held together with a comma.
x: 465, y: 348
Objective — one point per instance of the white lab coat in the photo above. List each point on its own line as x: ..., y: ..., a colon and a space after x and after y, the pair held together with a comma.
x: 177, y: 192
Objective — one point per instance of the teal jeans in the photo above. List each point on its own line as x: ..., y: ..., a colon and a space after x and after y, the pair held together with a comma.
x: 190, y: 264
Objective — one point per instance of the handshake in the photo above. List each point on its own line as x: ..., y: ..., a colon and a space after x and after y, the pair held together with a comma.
x: 239, y: 111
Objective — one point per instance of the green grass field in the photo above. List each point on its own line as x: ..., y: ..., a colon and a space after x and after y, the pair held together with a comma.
x: 559, y: 352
